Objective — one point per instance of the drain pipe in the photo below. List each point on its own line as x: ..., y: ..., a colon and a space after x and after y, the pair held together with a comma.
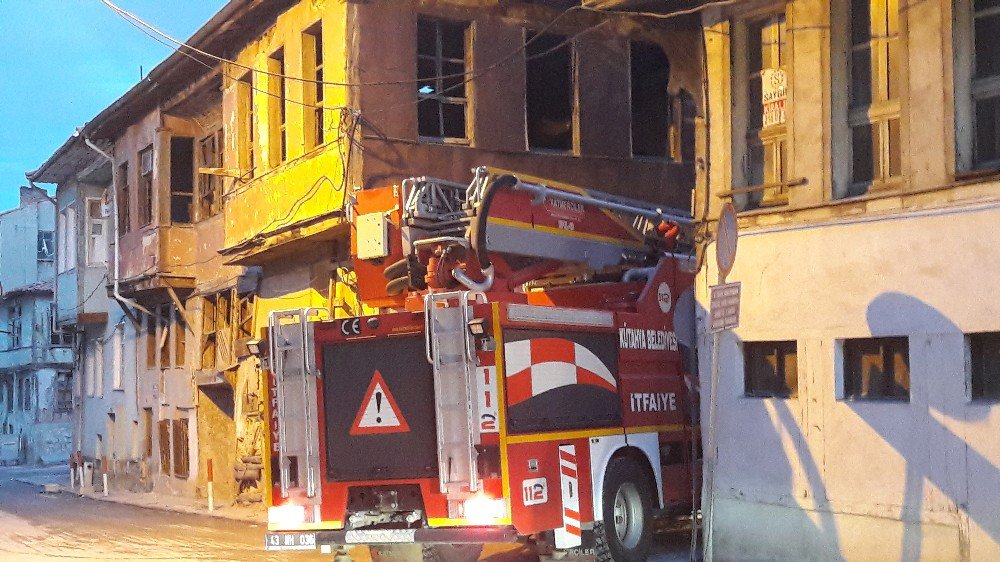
x: 114, y: 221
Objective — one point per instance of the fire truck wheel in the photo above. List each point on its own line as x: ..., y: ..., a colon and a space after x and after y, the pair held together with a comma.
x: 626, y: 533
x: 452, y: 552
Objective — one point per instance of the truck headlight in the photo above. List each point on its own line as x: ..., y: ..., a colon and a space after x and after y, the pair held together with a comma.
x: 482, y: 510
x: 288, y: 516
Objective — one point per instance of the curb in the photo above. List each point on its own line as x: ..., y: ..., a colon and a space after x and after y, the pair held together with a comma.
x: 136, y: 502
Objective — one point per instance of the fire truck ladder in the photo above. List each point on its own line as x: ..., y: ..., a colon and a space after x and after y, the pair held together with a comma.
x: 293, y: 361
x: 451, y: 352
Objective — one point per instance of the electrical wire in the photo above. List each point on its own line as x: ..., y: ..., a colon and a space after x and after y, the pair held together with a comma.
x: 138, y: 22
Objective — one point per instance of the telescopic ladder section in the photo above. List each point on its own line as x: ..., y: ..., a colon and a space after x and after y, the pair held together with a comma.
x: 293, y: 362
x: 451, y: 352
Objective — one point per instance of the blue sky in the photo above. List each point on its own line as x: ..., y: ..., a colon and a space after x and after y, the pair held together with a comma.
x: 63, y: 61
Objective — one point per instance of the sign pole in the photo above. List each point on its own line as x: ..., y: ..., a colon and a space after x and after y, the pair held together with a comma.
x: 725, y: 254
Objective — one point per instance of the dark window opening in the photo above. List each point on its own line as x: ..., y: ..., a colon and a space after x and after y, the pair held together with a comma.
x: 549, y: 70
x: 124, y: 217
x: 771, y: 369
x: 877, y: 369
x: 46, y: 245
x: 984, y: 352
x: 652, y: 118
x: 441, y: 79
x: 181, y: 179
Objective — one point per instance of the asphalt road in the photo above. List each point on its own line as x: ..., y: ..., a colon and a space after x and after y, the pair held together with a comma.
x: 36, y: 526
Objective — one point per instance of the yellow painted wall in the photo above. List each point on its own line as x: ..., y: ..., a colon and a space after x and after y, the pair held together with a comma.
x: 308, y: 183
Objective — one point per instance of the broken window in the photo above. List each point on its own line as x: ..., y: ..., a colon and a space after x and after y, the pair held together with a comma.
x: 181, y: 179
x: 182, y: 464
x: 64, y: 393
x: 877, y: 369
x: 210, y: 185
x: 247, y: 116
x: 124, y: 217
x: 549, y: 74
x: 146, y: 186
x: 312, y: 64
x: 651, y: 110
x: 876, y: 61
x: 441, y: 109
x: 46, y: 245
x: 97, y: 241
x: 770, y: 369
x: 278, y: 117
x: 984, y: 363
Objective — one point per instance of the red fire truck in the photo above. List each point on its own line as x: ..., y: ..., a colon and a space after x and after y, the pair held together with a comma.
x: 527, y: 376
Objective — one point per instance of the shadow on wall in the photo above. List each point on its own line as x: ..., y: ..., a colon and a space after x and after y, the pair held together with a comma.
x: 933, y: 453
x: 765, y: 474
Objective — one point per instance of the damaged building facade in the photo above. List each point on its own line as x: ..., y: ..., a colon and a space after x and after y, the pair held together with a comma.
x: 36, y: 358
x: 224, y: 193
x: 857, y: 399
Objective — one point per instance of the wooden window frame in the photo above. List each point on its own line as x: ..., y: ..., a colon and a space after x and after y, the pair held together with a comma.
x: 146, y: 159
x: 440, y: 95
x: 209, y: 186
x: 856, y: 388
x: 780, y: 351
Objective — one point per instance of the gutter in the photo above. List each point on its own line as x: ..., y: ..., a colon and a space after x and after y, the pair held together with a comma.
x: 114, y: 198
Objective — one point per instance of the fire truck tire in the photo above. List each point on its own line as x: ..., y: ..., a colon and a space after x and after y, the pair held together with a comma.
x: 626, y: 534
x: 452, y: 552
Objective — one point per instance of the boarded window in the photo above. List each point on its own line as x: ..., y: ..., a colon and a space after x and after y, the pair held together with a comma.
x: 151, y: 342
x: 771, y: 369
x: 147, y: 433
x: 164, y: 433
x: 146, y: 186
x: 984, y: 355
x: 651, y: 111
x: 181, y: 179
x: 877, y: 369
x: 181, y: 458
x: 210, y: 185
x: 549, y: 67
x: 876, y: 62
x: 441, y: 78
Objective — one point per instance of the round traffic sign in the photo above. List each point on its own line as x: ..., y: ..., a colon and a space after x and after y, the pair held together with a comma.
x: 725, y: 239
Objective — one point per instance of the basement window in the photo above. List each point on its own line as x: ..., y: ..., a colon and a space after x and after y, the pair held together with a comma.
x: 441, y: 95
x: 210, y: 185
x: 549, y: 74
x: 770, y: 369
x: 181, y: 179
x: 651, y: 114
x: 984, y: 365
x: 877, y: 369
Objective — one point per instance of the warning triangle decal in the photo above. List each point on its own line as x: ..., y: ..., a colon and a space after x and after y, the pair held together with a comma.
x: 379, y: 412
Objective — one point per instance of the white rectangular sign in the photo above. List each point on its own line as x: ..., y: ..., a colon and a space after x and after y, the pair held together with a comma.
x: 725, y: 306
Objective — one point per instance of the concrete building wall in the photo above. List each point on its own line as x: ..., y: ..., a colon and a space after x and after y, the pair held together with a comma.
x: 818, y: 475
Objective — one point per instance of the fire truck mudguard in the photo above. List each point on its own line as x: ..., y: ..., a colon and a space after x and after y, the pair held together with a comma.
x: 522, y: 377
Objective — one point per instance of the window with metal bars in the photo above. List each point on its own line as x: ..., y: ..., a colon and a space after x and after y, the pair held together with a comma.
x: 441, y: 86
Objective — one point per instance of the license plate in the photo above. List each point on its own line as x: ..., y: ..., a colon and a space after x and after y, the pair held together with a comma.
x: 290, y: 541
x: 380, y: 536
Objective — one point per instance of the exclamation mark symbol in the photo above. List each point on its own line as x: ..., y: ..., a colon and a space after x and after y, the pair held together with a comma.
x: 378, y: 407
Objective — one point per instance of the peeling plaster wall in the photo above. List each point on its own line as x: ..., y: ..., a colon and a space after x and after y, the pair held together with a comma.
x: 816, y: 476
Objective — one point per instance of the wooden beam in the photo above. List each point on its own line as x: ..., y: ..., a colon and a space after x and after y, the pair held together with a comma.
x: 128, y: 312
x: 180, y: 308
